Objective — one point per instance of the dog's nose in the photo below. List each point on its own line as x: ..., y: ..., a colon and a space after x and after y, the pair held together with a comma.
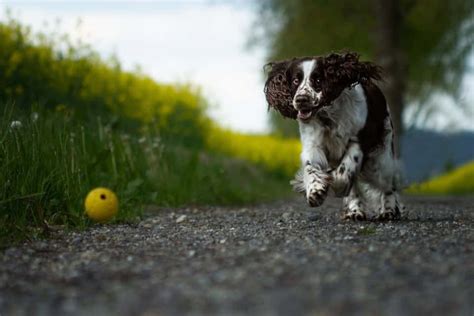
x: 302, y: 99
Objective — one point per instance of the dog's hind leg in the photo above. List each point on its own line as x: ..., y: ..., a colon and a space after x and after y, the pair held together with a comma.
x: 390, y: 206
x: 385, y: 180
x: 353, y: 206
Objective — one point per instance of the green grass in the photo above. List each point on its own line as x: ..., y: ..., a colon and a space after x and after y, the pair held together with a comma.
x: 100, y: 125
x: 366, y: 231
x: 48, y: 164
x: 457, y: 182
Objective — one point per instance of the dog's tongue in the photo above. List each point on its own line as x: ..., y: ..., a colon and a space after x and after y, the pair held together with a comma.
x: 304, y: 114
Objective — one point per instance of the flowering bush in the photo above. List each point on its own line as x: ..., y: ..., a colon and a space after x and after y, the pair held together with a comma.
x: 458, y: 181
x: 275, y: 154
x: 37, y: 69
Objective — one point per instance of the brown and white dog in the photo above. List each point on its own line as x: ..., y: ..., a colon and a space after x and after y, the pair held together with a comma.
x: 345, y: 130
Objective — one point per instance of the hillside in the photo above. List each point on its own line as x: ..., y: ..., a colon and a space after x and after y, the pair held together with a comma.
x: 457, y: 182
x: 428, y: 153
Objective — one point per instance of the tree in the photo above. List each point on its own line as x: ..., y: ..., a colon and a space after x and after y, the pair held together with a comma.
x: 423, y: 45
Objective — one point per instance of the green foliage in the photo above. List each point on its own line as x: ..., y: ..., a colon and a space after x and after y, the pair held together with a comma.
x: 436, y: 39
x: 84, y: 123
x: 367, y: 231
x: 51, y: 71
x: 72, y: 79
x: 48, y: 164
x: 306, y: 27
x: 448, y: 166
x: 87, y: 123
x: 456, y: 182
x: 283, y: 127
x: 280, y: 156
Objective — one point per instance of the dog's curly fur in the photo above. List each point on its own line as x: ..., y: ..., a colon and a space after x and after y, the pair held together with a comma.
x: 340, y: 72
x: 345, y: 128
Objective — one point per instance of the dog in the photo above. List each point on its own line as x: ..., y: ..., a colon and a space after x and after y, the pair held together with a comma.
x: 346, y: 132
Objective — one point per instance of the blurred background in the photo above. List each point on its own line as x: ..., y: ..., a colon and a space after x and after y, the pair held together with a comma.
x: 163, y: 100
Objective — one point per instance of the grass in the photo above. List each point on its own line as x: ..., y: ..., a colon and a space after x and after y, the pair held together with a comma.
x: 457, y: 182
x: 97, y: 124
x: 366, y: 231
x: 49, y: 161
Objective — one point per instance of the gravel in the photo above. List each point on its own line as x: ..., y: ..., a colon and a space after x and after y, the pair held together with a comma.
x: 278, y: 259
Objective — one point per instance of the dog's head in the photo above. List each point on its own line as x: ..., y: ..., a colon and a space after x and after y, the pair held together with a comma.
x: 298, y: 88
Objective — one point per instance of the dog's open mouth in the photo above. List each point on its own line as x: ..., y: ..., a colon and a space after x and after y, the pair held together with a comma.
x: 304, y: 114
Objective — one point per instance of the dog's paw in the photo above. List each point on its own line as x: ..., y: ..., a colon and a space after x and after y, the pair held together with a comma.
x: 316, y: 195
x: 389, y: 214
x: 390, y: 209
x: 354, y: 215
x: 317, y: 185
x: 342, y: 179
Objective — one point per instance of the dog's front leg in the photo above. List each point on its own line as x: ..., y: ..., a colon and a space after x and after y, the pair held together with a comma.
x: 312, y: 179
x: 317, y: 183
x: 343, y: 176
x: 315, y: 177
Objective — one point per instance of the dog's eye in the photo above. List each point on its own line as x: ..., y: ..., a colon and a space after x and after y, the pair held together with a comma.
x: 296, y: 81
x: 316, y: 81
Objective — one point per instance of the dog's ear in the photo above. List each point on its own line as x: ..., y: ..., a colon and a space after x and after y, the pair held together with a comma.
x: 346, y: 69
x: 277, y: 88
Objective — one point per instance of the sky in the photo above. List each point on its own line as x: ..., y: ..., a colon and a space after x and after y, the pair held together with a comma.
x: 201, y: 42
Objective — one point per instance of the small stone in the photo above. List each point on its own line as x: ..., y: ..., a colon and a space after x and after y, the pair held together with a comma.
x: 286, y: 216
x: 181, y: 218
x: 41, y: 245
x: 191, y: 253
x: 222, y: 241
x: 312, y: 217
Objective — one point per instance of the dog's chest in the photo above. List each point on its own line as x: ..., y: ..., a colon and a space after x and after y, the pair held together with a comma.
x: 334, y: 146
x: 316, y: 137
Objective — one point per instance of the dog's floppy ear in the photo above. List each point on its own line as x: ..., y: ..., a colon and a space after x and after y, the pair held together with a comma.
x: 346, y: 69
x: 277, y: 89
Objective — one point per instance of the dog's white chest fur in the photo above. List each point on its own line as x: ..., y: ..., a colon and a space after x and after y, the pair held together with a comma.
x: 348, y: 113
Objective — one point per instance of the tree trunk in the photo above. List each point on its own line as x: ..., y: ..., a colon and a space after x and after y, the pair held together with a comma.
x: 390, y: 56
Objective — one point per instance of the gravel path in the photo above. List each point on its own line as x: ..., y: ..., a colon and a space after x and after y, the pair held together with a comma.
x: 278, y: 259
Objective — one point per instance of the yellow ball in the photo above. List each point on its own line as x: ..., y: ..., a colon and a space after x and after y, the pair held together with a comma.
x: 101, y: 204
